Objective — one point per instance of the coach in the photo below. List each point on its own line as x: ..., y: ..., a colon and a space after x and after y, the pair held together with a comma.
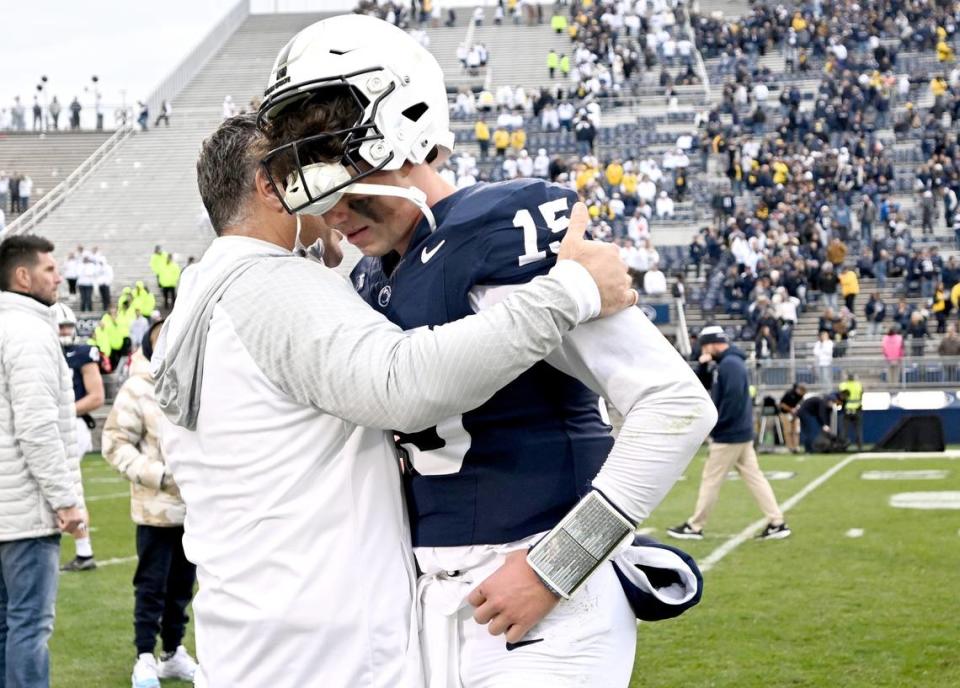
x: 40, y: 491
x: 723, y: 372
x: 268, y: 369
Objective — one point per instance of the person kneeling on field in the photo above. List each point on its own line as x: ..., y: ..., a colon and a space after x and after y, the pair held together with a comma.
x: 163, y: 582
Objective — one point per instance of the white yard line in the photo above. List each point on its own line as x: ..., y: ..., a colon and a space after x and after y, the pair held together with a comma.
x: 747, y: 533
x: 112, y: 495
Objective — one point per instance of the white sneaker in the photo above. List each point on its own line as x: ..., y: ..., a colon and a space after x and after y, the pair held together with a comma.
x: 181, y: 665
x: 145, y: 672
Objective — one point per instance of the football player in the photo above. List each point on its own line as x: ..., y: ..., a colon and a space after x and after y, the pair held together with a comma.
x: 84, y: 363
x: 518, y: 505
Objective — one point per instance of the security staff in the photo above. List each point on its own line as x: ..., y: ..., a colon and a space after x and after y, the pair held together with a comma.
x: 852, y: 407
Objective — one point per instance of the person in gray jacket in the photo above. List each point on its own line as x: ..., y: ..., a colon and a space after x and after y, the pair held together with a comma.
x: 40, y: 491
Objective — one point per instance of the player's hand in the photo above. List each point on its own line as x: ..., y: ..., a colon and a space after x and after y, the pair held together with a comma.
x: 512, y: 599
x: 602, y: 260
x: 71, y: 519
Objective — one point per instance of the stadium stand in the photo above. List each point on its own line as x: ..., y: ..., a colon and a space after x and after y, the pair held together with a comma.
x: 775, y: 152
x: 46, y: 158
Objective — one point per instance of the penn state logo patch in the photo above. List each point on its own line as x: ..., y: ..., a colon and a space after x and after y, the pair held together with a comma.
x: 383, y: 298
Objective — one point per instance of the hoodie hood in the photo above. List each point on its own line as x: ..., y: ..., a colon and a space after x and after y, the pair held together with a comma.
x: 732, y: 350
x: 177, y: 363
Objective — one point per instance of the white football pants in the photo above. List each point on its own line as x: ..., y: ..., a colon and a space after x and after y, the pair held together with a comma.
x: 588, y: 640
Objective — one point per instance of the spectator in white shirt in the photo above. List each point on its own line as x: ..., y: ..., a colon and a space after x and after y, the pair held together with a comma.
x: 26, y: 189
x: 229, y: 109
x: 541, y: 164
x: 104, y: 281
x: 510, y: 166
x: 616, y: 205
x: 549, y: 118
x: 823, y: 355
x: 469, y: 179
x: 646, y: 189
x: 664, y: 206
x: 654, y: 281
x: 86, y: 281
x: 638, y: 228
x: 465, y: 163
x: 525, y: 164
x: 71, y: 270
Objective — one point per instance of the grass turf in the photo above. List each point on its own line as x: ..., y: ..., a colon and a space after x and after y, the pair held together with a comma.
x: 818, y: 609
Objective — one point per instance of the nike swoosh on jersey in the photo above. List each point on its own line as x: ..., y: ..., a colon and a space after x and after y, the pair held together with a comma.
x: 428, y: 253
x: 513, y: 646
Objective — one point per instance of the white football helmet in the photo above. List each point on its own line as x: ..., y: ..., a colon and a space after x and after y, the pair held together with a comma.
x: 65, y: 317
x: 397, y: 84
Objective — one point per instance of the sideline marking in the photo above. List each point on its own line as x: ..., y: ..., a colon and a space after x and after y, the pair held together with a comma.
x: 926, y: 500
x: 723, y: 550
x: 904, y: 475
x: 110, y: 562
x: 112, y: 495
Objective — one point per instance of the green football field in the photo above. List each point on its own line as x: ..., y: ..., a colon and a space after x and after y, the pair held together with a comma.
x: 862, y: 594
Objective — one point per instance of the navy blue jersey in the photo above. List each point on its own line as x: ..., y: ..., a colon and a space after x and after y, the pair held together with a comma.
x: 518, y: 463
x: 79, y: 355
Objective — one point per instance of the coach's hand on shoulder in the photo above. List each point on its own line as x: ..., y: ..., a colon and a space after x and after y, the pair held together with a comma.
x: 603, y: 262
x: 512, y: 599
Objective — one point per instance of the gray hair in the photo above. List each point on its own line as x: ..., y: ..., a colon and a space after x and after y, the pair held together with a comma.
x: 227, y: 169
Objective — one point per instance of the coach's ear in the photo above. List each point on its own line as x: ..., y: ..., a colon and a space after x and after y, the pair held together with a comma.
x: 268, y: 194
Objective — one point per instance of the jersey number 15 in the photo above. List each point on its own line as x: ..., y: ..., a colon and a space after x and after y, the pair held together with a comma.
x: 554, y: 214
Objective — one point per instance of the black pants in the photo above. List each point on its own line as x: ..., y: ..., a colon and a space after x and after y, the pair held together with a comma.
x: 163, y: 587
x: 853, y: 428
x: 72, y: 284
x: 105, y: 296
x: 169, y: 297
x: 86, y: 297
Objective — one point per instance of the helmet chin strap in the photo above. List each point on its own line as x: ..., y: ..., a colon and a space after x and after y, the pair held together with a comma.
x: 322, y: 176
x: 312, y: 252
x: 410, y: 193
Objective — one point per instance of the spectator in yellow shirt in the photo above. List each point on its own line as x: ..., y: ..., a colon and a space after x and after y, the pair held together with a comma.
x: 780, y: 172
x: 944, y: 52
x: 482, y: 133
x: 518, y: 140
x: 849, y: 287
x: 501, y: 140
x: 628, y: 187
x: 938, y: 86
x: 614, y: 174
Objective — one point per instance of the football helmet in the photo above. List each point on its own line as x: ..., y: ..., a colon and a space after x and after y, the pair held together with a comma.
x: 65, y: 317
x: 399, y: 89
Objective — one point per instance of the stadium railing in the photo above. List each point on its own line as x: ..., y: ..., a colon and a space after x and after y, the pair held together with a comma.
x: 188, y: 68
x: 28, y: 220
x: 912, y: 372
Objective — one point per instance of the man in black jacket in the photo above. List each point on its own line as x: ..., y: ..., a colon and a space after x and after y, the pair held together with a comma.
x: 816, y: 414
x: 723, y: 372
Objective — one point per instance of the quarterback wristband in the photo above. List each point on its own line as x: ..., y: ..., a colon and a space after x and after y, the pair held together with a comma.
x: 581, y: 542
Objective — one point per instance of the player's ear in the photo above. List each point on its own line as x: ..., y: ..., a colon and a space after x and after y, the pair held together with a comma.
x: 267, y: 193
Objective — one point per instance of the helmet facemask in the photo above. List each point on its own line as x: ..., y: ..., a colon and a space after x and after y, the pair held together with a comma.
x: 328, y: 165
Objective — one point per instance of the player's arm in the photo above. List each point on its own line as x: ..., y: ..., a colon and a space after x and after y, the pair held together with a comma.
x: 667, y: 414
x: 93, y: 383
x: 353, y: 363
